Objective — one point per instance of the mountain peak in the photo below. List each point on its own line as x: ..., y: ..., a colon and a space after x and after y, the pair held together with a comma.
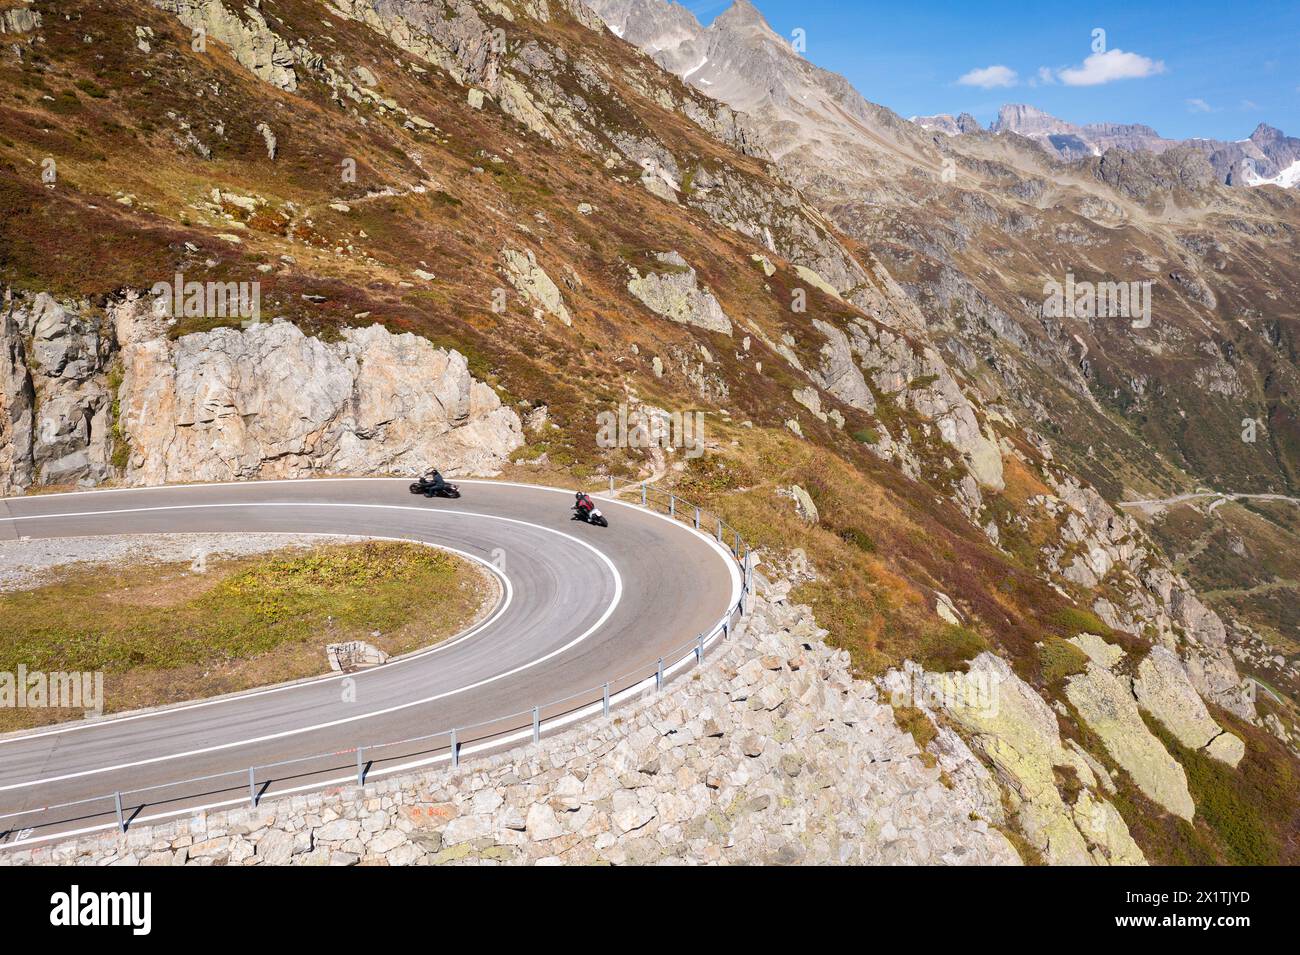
x: 741, y: 15
x: 1266, y: 133
x: 1027, y: 120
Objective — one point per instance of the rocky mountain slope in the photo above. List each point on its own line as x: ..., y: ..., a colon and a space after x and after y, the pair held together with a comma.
x: 476, y: 225
x: 978, y: 227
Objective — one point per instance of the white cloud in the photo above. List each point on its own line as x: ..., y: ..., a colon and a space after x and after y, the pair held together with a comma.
x: 990, y: 77
x: 1044, y: 77
x: 1199, y: 106
x: 1112, y: 65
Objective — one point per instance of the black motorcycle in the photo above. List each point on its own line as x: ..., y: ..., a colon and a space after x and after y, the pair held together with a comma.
x: 592, y: 516
x: 425, y: 485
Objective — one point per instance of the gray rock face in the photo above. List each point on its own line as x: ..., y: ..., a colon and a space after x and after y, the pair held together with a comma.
x: 676, y: 294
x: 779, y: 221
x: 54, y: 404
x: 16, y: 399
x: 914, y: 377
x: 1109, y: 545
x: 272, y: 402
x: 1109, y: 708
x: 19, y: 20
x: 1163, y: 689
x: 1017, y: 732
x: 532, y: 282
x: 839, y: 373
x: 448, y: 33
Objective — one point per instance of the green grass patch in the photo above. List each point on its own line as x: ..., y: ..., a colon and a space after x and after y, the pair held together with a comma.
x: 275, y: 611
x: 92, y: 89
x: 1250, y: 810
x: 949, y: 649
x: 1059, y: 660
x: 919, y: 726
x: 1072, y: 621
x: 859, y: 539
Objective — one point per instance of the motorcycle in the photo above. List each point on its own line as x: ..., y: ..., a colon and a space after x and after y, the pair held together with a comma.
x: 424, y: 485
x: 591, y: 517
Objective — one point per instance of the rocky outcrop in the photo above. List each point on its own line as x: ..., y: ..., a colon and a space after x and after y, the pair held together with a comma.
x: 19, y: 20
x: 54, y: 402
x: 839, y: 373
x: 803, y: 503
x: 771, y: 753
x: 16, y: 399
x: 447, y: 33
x: 229, y: 404
x: 1015, y: 730
x: 676, y: 294
x: 1105, y: 701
x: 532, y: 282
x: 272, y: 402
x: 1096, y: 543
x: 249, y: 38
x: 916, y: 378
x: 1163, y: 689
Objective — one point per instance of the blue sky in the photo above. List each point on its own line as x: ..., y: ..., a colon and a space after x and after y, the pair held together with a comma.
x: 1198, y: 68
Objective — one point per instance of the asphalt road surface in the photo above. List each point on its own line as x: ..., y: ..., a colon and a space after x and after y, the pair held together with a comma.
x: 580, y: 606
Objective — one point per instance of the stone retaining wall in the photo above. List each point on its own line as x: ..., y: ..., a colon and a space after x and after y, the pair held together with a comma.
x: 769, y: 753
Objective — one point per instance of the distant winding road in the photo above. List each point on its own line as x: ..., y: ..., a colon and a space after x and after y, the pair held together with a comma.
x: 580, y: 605
x: 1153, y: 503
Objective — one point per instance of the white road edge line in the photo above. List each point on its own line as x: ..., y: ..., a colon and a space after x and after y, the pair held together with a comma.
x: 609, y: 610
x: 459, y: 638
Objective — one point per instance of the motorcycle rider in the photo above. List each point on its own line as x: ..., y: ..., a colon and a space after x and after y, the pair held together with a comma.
x: 583, y: 503
x: 434, y: 478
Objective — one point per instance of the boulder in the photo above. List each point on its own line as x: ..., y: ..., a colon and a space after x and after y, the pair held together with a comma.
x: 250, y: 40
x: 676, y: 294
x: 532, y: 282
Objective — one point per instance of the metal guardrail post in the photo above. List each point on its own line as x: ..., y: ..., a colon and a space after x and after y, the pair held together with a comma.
x: 361, y: 767
x: 699, y: 649
x: 697, y: 518
x: 252, y: 788
x: 735, y: 548
x: 717, y: 531
x: 604, y: 701
x: 117, y: 803
x: 643, y: 495
x: 659, y: 675
x: 455, y: 751
x: 726, y: 628
x: 672, y: 505
x: 537, y: 725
